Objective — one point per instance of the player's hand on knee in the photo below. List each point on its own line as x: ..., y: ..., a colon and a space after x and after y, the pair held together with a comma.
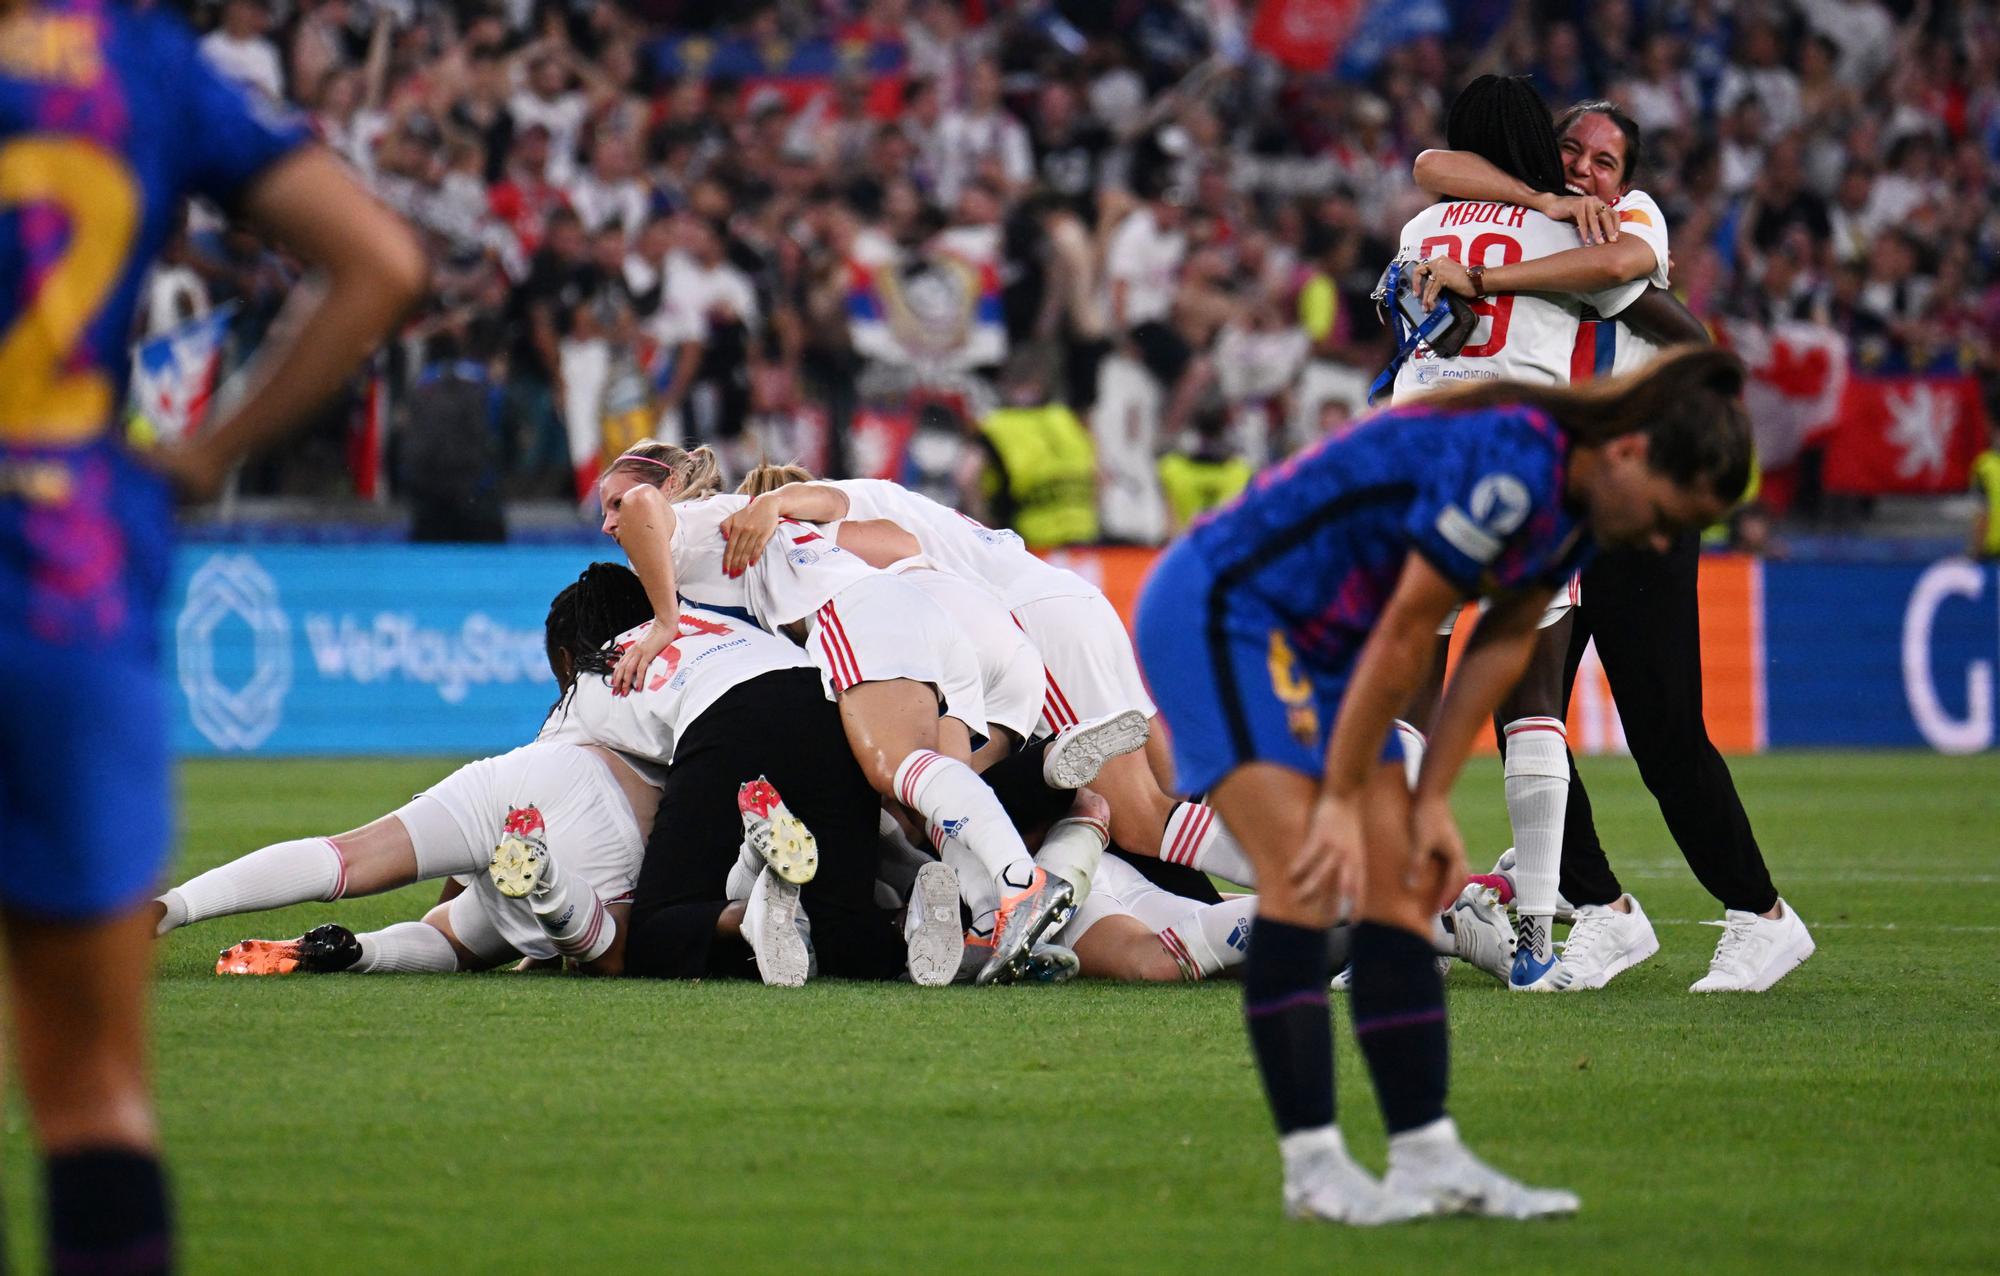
x: 1437, y: 854
x: 1329, y: 872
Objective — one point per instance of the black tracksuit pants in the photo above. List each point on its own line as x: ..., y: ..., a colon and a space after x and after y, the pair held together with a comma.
x: 782, y: 726
x: 1645, y: 614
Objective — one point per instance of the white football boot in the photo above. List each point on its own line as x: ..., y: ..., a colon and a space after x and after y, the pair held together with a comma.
x: 1480, y: 932
x: 1432, y: 1164
x: 1756, y: 952
x: 775, y: 927
x: 1323, y: 1183
x: 931, y: 926
x: 1078, y: 753
x: 1603, y: 943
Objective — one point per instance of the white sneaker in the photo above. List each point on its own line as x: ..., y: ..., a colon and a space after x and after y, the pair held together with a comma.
x: 1602, y: 944
x: 931, y: 926
x: 1323, y: 1183
x: 1756, y: 952
x: 1078, y: 753
x: 775, y: 927
x: 1432, y: 1164
x: 1480, y: 931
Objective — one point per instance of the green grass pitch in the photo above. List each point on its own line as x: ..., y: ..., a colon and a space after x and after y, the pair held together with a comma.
x: 1844, y: 1122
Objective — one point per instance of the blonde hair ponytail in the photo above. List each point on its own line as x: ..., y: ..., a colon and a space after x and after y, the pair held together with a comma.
x: 695, y: 472
x: 769, y: 478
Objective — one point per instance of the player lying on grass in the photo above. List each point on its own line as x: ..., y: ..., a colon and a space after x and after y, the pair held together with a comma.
x: 546, y: 841
x: 1322, y: 588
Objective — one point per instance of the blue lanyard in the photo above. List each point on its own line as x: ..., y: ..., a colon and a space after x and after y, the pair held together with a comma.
x: 1408, y: 336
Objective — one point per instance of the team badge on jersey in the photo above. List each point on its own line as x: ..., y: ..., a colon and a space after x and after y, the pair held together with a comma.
x: 1294, y: 690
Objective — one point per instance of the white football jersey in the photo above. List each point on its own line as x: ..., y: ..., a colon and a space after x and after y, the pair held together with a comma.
x: 1639, y: 215
x: 799, y: 571
x: 1524, y: 336
x: 713, y: 654
x: 998, y: 559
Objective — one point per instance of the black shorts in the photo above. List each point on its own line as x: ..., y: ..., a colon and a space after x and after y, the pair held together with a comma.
x: 779, y: 725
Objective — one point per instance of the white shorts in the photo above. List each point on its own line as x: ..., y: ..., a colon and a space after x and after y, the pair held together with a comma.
x: 579, y: 813
x: 1010, y: 669
x: 1092, y: 670
x: 1566, y: 600
x: 883, y: 628
x: 1118, y: 890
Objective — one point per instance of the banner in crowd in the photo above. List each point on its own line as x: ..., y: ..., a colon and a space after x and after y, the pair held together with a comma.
x: 408, y: 649
x: 1798, y: 374
x: 1906, y: 435
x: 938, y: 312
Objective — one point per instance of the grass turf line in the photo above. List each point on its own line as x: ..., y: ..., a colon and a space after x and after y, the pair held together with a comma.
x: 1845, y: 1122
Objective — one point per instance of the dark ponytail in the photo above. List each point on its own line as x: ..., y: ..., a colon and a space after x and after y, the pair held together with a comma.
x: 1504, y: 121
x: 1688, y: 404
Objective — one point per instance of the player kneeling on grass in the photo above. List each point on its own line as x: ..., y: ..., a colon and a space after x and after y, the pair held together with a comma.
x: 547, y: 839
x: 1319, y: 591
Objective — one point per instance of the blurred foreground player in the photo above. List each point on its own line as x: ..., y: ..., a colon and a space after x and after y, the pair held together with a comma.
x: 1284, y: 633
x: 108, y: 119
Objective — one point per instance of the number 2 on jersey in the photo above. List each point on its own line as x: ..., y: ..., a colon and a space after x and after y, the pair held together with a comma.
x: 1499, y: 309
x: 41, y: 400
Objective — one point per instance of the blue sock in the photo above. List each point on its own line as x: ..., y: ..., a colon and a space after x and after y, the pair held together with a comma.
x: 1291, y: 1029
x: 107, y: 1212
x: 1398, y: 1005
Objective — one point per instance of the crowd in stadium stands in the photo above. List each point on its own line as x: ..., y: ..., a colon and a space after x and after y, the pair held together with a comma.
x: 748, y: 220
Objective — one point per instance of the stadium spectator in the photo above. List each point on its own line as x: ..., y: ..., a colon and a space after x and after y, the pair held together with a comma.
x: 1785, y: 143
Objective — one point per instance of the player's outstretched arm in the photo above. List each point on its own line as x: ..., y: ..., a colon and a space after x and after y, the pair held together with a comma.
x: 645, y: 531
x: 1574, y: 270
x: 1463, y: 175
x: 751, y: 528
x: 1661, y: 318
x: 373, y: 270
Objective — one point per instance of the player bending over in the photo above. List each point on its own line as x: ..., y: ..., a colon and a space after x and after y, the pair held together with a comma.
x: 1321, y: 590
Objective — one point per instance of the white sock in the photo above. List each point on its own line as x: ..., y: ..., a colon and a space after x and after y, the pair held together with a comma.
x: 1072, y: 851
x: 958, y: 806
x: 407, y: 948
x: 1537, y: 772
x: 572, y: 916
x: 1195, y: 838
x: 899, y: 859
x: 742, y: 874
x: 1203, y: 939
x: 1413, y: 750
x: 309, y: 868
